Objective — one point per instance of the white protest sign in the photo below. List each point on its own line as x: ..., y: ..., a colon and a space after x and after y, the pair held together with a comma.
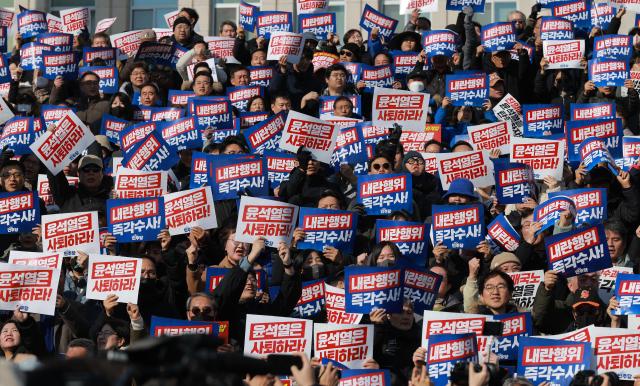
x: 32, y: 289
x: 71, y: 232
x: 189, y: 208
x: 509, y: 109
x: 473, y: 165
x: 318, y: 136
x: 489, y: 136
x: 259, y: 217
x: 545, y: 156
x: 5, y: 111
x: 335, y: 306
x: 114, y: 275
x: 221, y: 47
x: 311, y: 6
x: 607, y: 282
x: 75, y: 19
x: 526, y: 285
x: 169, y: 17
x: 563, y: 53
x: 616, y: 350
x: 212, y: 65
x: 58, y: 148
x: 131, y: 183
x: 340, y: 122
x: 105, y: 24
x: 435, y: 323
x: 285, y: 43
x: 406, y: 108
x: 348, y: 344
x: 407, y: 6
x: 128, y: 42
x: 36, y: 259
x: 264, y: 335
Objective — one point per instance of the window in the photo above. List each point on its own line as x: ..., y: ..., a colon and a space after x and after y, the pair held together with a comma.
x: 495, y: 11
x: 227, y: 10
x: 57, y: 5
x: 338, y: 9
x: 150, y: 13
x: 391, y: 8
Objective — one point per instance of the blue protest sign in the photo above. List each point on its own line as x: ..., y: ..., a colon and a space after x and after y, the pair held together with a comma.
x: 272, y: 21
x: 218, y: 136
x: 153, y: 153
x: 458, y: 226
x: 247, y: 14
x: 260, y: 75
x: 240, y: 95
x: 179, y: 97
x: 421, y: 288
x: 60, y: 42
x: 18, y: 135
x: 31, y: 23
x: 214, y: 276
x: 403, y: 63
x: 112, y: 127
x: 369, y: 288
x: 502, y: 234
x: 556, y: 28
x: 514, y: 327
x: 372, y: 18
x: 365, y: 377
x: 134, y: 134
x: 554, y: 361
x: 385, y: 193
x: 549, y: 211
x: 587, y: 111
x: 51, y: 114
x: 607, y: 130
x: 372, y: 134
x: 628, y: 294
x: 458, y: 5
x: 319, y: 24
x: 157, y: 114
x: 514, y: 181
x: 135, y: 219
x: 327, y: 102
x: 108, y: 54
x: 31, y: 55
x: 265, y: 135
x: 3, y: 39
x: 608, y: 72
x: 467, y: 89
x: 613, y: 47
x: 327, y: 227
x: 19, y: 212
x: 593, y: 152
x: 576, y: 11
x: 601, y: 15
x: 630, y: 152
x: 542, y: 120
x: 234, y: 174
x: 175, y: 327
x: 108, y: 78
x: 200, y: 166
x: 355, y: 69
x: 591, y: 204
x: 155, y: 53
x: 181, y: 134
x: 248, y: 119
x: 60, y: 64
x: 579, y: 251
x: 376, y: 76
x: 409, y: 237
x: 214, y: 113
x: 445, y: 350
x: 278, y: 165
x: 439, y: 42
x: 311, y: 300
x: 350, y: 149
x: 499, y: 36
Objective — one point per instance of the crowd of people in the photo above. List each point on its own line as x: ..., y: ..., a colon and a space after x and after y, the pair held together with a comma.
x: 174, y: 267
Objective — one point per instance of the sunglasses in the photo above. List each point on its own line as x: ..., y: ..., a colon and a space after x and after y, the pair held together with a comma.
x: 346, y: 53
x: 197, y: 311
x: 386, y: 166
x: 91, y: 169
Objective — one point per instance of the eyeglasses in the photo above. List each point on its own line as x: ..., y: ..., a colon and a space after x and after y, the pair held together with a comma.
x: 413, y: 161
x: 338, y: 75
x: 491, y: 288
x: 385, y: 166
x: 346, y: 53
x: 137, y: 73
x: 197, y: 311
x: 14, y: 175
x: 91, y: 169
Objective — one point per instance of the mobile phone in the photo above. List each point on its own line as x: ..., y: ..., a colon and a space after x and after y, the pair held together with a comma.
x: 281, y: 363
x: 492, y: 329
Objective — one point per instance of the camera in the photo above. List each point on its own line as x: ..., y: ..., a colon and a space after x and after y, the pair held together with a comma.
x: 460, y: 373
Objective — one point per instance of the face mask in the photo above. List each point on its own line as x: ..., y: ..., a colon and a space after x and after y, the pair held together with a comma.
x: 385, y: 263
x: 146, y: 282
x: 313, y: 272
x: 416, y: 86
x: 118, y: 111
x: 202, y: 318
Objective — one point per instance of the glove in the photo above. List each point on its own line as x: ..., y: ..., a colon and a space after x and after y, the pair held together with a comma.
x: 6, y: 155
x: 303, y: 156
x: 535, y: 9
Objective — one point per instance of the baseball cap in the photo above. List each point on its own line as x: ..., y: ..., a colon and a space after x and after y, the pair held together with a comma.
x: 88, y: 160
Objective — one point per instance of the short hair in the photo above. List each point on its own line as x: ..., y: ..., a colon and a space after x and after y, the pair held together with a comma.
x: 87, y: 344
x: 151, y: 84
x: 199, y: 295
x: 341, y: 99
x: 335, y: 67
x: 13, y: 164
x: 282, y: 95
x: 102, y: 35
x: 349, y: 34
x: 229, y: 23
x: 258, y: 50
x: 203, y: 73
x: 433, y: 142
x: 334, y: 194
x: 496, y: 273
x: 617, y: 226
x: 235, y: 69
x: 192, y: 14
x: 516, y: 12
x: 235, y: 140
